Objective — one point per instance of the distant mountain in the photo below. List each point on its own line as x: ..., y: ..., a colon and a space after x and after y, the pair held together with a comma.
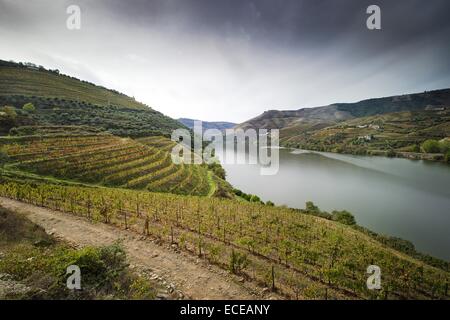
x: 221, y: 125
x: 334, y: 113
x: 395, y: 125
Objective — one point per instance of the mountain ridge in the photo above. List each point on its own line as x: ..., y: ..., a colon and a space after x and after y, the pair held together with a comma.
x: 389, y: 126
x: 220, y: 125
x: 336, y: 112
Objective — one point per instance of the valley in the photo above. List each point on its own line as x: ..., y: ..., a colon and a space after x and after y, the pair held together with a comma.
x: 78, y: 156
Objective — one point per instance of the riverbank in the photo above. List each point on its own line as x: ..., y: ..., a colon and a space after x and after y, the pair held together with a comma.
x: 437, y: 157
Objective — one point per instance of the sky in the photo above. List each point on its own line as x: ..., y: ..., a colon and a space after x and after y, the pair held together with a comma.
x: 230, y: 60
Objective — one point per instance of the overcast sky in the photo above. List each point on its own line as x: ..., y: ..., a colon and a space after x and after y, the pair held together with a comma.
x: 230, y: 60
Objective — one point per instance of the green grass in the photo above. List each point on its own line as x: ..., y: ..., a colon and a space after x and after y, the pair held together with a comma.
x: 312, y: 257
x: 39, y: 262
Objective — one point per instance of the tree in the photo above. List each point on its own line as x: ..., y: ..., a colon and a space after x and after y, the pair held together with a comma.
x: 217, y: 169
x: 390, y: 153
x: 29, y: 107
x: 8, y: 118
x: 9, y: 111
x: 447, y: 156
x: 311, y: 207
x: 444, y: 145
x: 344, y: 217
x: 431, y: 146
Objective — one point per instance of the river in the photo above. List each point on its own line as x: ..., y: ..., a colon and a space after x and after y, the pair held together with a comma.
x: 398, y: 197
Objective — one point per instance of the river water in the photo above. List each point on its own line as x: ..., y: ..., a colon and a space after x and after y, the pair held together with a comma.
x: 398, y: 197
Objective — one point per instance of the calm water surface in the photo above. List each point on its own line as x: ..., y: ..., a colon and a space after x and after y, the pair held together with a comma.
x: 398, y: 197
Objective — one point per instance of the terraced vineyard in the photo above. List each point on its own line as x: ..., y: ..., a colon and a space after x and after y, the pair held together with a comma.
x: 300, y: 255
x: 30, y: 82
x: 61, y: 100
x: 108, y: 160
x: 395, y: 132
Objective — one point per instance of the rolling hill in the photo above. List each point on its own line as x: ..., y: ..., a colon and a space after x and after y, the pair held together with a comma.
x: 63, y: 100
x: 275, y: 119
x: 396, y: 125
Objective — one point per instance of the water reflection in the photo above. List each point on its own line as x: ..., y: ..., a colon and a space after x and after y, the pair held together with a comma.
x: 400, y: 197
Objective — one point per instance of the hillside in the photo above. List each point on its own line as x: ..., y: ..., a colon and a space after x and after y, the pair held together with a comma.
x: 163, y: 274
x: 110, y: 167
x: 220, y: 125
x: 275, y: 119
x: 298, y: 255
x: 64, y: 100
x: 397, y: 133
x: 101, y: 158
x: 398, y: 124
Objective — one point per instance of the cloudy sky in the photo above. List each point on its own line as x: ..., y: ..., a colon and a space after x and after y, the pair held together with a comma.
x: 233, y: 59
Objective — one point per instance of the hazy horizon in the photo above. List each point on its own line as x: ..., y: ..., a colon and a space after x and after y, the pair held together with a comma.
x: 232, y: 61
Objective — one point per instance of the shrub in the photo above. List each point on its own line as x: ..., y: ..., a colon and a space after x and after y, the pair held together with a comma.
x: 312, y: 208
x: 104, y: 271
x: 217, y: 169
x: 431, y: 146
x: 447, y: 157
x: 9, y: 111
x: 344, y: 217
x: 29, y: 107
x: 444, y: 145
x: 238, y: 262
x: 390, y: 153
x: 237, y: 192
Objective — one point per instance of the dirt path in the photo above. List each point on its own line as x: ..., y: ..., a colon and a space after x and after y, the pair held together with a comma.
x: 194, y: 278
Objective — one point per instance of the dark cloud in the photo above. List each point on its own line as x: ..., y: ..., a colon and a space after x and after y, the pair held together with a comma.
x: 295, y: 21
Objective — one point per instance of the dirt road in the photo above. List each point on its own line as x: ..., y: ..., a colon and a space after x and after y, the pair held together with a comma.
x: 194, y: 278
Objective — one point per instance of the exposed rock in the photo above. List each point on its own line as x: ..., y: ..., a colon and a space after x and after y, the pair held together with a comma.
x: 10, y: 288
x: 162, y: 296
